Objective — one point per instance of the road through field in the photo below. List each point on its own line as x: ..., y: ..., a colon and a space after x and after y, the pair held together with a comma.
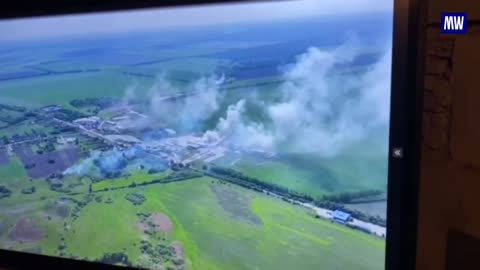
x: 327, y: 214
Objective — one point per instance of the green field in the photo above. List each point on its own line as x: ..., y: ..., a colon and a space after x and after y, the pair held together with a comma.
x: 217, y: 224
x: 22, y: 127
x: 309, y: 174
x: 15, y: 178
x: 193, y: 65
x: 288, y: 237
x: 13, y: 171
x: 137, y: 177
x: 64, y: 88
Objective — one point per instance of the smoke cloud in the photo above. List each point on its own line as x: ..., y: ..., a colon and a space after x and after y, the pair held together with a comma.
x: 86, y: 166
x: 187, y: 112
x: 321, y: 111
x: 325, y: 113
x: 239, y: 133
x: 109, y: 164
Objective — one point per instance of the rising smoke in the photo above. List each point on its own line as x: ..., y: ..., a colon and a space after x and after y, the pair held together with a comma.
x: 325, y: 113
x: 111, y: 163
x: 321, y: 112
x: 240, y: 134
x: 184, y: 108
x: 186, y: 113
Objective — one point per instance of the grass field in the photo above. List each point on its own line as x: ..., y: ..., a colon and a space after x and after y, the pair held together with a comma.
x: 15, y: 178
x: 136, y: 177
x: 36, y: 92
x: 220, y: 226
x: 357, y: 169
x: 238, y: 239
x: 112, y: 227
x: 204, y: 229
x: 13, y: 171
x: 25, y: 126
x: 284, y: 175
x: 288, y: 237
x: 196, y: 65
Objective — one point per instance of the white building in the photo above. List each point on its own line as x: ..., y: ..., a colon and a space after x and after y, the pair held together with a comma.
x: 66, y: 140
x: 88, y: 122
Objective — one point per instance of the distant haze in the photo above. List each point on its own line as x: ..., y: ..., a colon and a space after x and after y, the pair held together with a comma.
x: 168, y: 18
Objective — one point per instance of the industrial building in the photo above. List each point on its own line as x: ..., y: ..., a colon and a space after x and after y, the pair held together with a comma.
x: 340, y: 217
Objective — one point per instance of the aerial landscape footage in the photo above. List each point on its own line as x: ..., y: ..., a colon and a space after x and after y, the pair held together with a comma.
x: 226, y: 137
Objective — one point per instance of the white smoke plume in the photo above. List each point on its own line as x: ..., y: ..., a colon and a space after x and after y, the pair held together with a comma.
x: 182, y: 107
x: 201, y: 102
x: 325, y: 113
x: 238, y: 133
x: 321, y: 112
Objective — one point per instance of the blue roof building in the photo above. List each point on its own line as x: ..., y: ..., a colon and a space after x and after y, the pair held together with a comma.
x: 340, y: 217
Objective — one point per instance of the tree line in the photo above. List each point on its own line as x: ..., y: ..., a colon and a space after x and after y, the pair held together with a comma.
x: 173, y: 177
x: 331, y: 202
x: 5, y: 192
x: 353, y: 196
x: 103, y: 102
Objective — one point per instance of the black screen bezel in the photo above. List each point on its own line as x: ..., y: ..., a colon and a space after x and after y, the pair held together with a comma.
x: 405, y: 122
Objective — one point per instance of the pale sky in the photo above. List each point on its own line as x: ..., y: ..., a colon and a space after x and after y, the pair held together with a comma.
x: 165, y: 18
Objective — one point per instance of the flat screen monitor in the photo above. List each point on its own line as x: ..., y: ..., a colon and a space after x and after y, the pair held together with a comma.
x: 227, y: 136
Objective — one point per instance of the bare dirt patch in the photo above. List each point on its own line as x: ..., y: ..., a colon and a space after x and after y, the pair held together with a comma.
x: 155, y: 222
x: 235, y: 204
x: 26, y: 230
x: 143, y: 226
x: 178, y: 250
x: 161, y: 222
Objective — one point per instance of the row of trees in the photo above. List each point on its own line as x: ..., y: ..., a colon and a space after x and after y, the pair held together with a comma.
x: 5, y: 192
x: 29, y: 190
x: 331, y: 202
x: 354, y: 213
x: 173, y: 177
x: 115, y: 258
x: 12, y: 120
x: 135, y: 198
x: 13, y: 108
x: 27, y: 135
x: 353, y: 196
x: 68, y: 115
x: 97, y: 102
x: 80, y: 204
x: 239, y: 178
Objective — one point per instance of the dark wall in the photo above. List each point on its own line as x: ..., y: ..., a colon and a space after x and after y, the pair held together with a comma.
x: 450, y: 181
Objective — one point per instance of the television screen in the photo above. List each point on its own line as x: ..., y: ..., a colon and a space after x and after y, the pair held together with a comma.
x: 226, y: 136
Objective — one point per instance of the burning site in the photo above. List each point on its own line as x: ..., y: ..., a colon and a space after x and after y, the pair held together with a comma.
x: 158, y: 148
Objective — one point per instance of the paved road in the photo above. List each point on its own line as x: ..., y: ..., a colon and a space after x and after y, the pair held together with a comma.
x: 25, y: 141
x: 327, y: 214
x: 373, y: 228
